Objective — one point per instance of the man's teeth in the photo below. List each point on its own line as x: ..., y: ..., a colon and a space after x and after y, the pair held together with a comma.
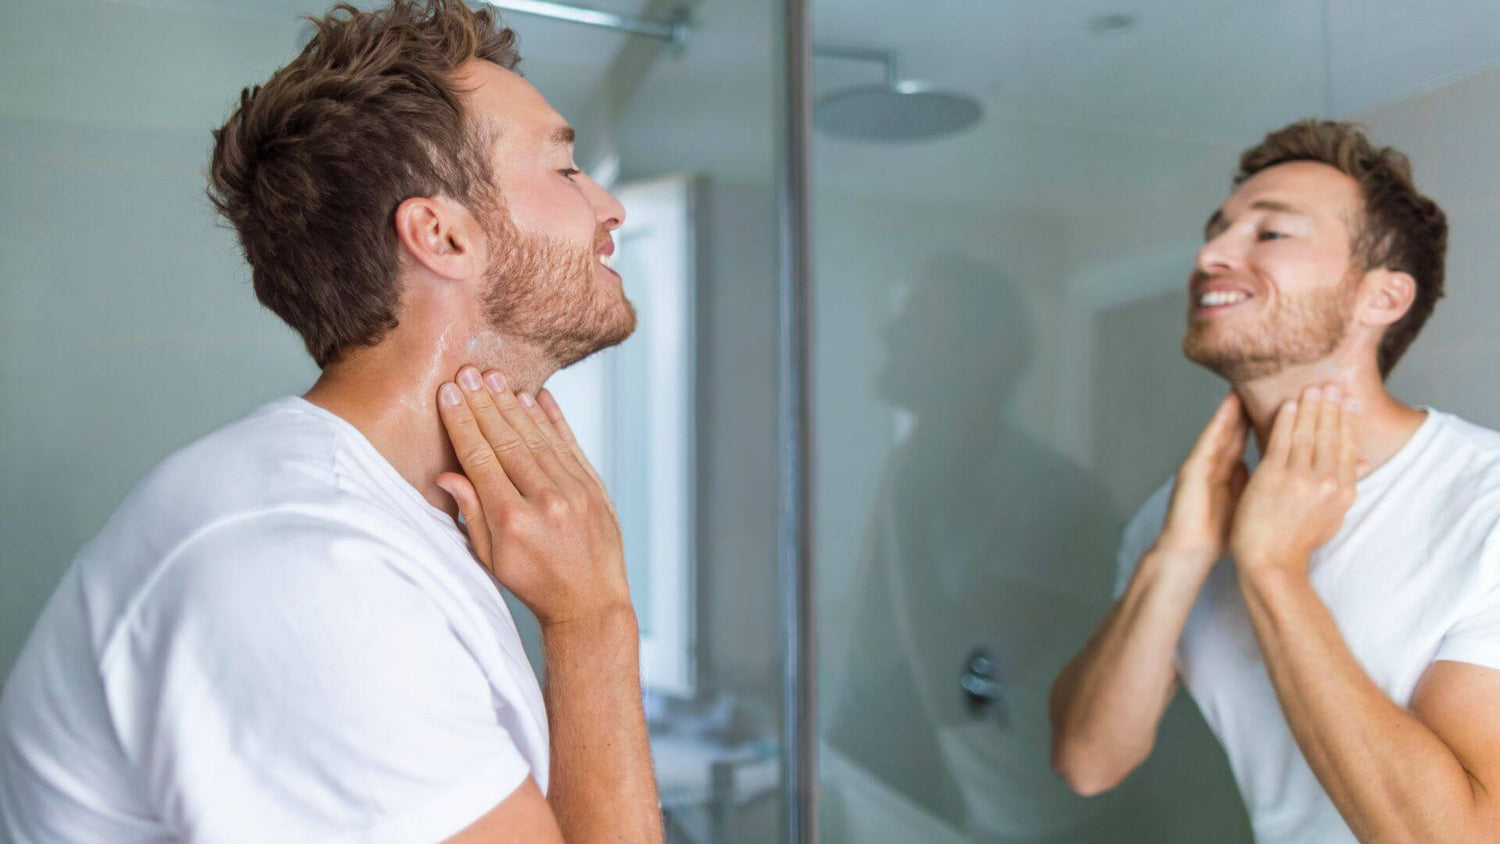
x: 1214, y: 298
x: 607, y: 260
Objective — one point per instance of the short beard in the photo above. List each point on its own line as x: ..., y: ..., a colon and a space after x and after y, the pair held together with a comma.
x: 1300, y: 331
x: 541, y: 291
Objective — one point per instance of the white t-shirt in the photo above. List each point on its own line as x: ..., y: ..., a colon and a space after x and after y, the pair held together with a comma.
x: 274, y: 638
x: 1412, y: 577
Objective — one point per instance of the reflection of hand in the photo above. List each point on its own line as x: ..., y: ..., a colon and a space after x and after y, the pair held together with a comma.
x: 537, y: 512
x: 1304, y: 484
x: 1207, y: 489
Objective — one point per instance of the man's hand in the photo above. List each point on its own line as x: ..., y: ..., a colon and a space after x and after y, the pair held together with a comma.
x: 1297, y: 498
x: 1207, y: 490
x: 541, y: 521
x: 537, y: 512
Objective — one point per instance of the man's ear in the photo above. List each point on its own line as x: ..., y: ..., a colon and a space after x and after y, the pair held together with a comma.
x: 440, y: 234
x: 1389, y: 295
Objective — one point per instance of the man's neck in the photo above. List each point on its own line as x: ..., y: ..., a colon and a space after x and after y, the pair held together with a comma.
x: 389, y: 393
x: 1383, y: 425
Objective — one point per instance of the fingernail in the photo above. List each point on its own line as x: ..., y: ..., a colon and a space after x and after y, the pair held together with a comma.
x: 1291, y: 406
x: 1333, y: 394
x: 496, y: 381
x: 469, y: 377
x: 1352, y: 404
x: 527, y: 400
x: 1313, y: 394
x: 450, y: 394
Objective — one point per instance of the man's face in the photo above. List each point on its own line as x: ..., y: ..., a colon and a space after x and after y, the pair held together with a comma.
x: 547, y: 280
x: 1274, y: 285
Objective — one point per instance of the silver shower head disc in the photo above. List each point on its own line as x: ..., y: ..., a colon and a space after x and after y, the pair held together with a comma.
x: 908, y: 112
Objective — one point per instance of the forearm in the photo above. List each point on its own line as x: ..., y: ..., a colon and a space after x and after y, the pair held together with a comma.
x: 1107, y: 703
x: 602, y: 786
x: 1390, y: 776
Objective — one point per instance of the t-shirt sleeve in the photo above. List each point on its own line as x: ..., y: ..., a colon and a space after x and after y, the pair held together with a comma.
x: 1139, y: 534
x: 285, y: 680
x: 1475, y: 637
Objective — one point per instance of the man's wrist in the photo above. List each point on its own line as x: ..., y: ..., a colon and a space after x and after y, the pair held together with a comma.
x: 1179, y: 561
x: 1269, y: 573
x: 1174, y: 572
x: 615, y: 625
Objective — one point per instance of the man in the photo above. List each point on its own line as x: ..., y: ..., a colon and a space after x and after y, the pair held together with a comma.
x: 1347, y: 650
x: 282, y: 634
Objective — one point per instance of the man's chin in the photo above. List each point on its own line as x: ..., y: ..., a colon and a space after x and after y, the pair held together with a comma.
x: 611, y: 334
x: 1236, y: 366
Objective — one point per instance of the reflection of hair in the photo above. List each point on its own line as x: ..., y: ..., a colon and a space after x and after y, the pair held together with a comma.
x: 1400, y: 229
x: 990, y: 308
x: 311, y: 165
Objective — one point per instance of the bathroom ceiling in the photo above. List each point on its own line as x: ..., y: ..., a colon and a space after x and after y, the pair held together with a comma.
x: 1214, y: 69
x: 570, y: 58
x: 1215, y: 73
x: 1202, y: 67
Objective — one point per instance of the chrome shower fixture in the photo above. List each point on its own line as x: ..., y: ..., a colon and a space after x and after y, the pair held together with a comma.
x: 899, y: 110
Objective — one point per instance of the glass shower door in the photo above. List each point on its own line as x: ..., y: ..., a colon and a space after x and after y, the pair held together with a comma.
x: 1007, y: 200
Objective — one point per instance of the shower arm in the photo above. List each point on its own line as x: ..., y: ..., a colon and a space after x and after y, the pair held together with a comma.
x: 673, y: 30
x: 889, y: 58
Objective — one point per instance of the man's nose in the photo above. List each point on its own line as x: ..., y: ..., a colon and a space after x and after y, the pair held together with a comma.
x: 607, y: 210
x: 1217, y: 254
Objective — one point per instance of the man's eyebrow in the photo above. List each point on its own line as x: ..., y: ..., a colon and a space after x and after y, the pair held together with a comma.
x: 1217, y: 222
x: 561, y: 136
x: 1274, y: 205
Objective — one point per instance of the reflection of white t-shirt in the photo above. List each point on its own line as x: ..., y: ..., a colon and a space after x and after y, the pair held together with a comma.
x: 275, y: 638
x: 1412, y: 577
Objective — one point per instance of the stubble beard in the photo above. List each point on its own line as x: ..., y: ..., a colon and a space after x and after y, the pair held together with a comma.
x: 1301, y: 330
x: 541, y: 291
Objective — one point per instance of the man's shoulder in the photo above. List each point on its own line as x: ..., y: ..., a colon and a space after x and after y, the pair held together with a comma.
x: 283, y: 459
x: 258, y: 507
x: 1459, y: 467
x: 269, y: 454
x: 1481, y: 442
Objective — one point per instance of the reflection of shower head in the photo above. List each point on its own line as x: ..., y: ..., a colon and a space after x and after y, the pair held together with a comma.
x: 879, y: 113
x: 899, y: 110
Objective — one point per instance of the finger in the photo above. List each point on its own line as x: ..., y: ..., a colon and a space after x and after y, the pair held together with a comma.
x: 1239, y: 433
x: 517, y: 410
x: 1280, y: 445
x: 1239, y: 477
x: 554, y: 412
x: 475, y: 454
x: 560, y: 447
x: 509, y: 443
x: 458, y: 487
x: 1305, y: 429
x: 1329, y: 436
x: 1215, y: 435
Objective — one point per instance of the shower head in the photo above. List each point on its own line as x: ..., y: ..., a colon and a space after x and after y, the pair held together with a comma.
x: 883, y: 113
x: 899, y: 110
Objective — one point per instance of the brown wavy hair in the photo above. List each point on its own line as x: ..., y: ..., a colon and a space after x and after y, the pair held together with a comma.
x: 310, y: 166
x: 1399, y: 229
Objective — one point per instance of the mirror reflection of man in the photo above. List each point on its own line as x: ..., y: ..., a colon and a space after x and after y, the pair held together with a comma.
x: 283, y: 634
x: 981, y: 539
x: 1336, y: 612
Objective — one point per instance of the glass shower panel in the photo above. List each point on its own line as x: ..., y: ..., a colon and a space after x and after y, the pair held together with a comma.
x: 704, y: 116
x: 112, y: 136
x: 997, y: 375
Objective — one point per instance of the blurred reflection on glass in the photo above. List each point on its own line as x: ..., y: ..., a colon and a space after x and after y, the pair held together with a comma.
x: 984, y: 541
